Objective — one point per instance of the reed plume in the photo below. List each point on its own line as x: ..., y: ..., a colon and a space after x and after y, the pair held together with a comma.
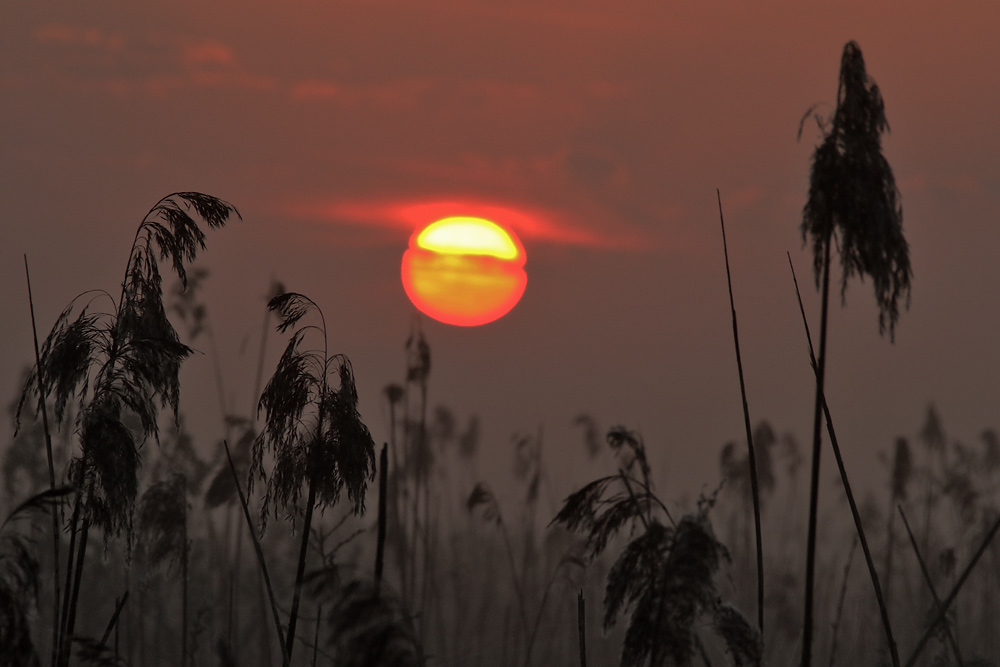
x: 313, y: 430
x: 853, y: 200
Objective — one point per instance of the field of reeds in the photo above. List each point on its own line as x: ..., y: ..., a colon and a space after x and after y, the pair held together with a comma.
x: 300, y: 540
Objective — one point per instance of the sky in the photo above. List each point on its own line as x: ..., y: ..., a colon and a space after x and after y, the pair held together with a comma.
x: 598, y: 131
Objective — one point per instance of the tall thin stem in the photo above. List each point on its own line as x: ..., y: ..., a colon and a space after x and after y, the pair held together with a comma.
x: 754, y: 486
x: 259, y: 552
x: 521, y: 605
x: 78, y: 576
x: 42, y: 396
x: 855, y: 513
x: 310, y: 503
x: 840, y: 603
x: 425, y: 457
x: 184, y: 579
x: 943, y: 608
x: 74, y: 565
x: 69, y: 579
x: 113, y: 622
x: 890, y: 534
x: 380, y: 547
x: 807, y: 630
x: 930, y: 587
x: 300, y: 570
x: 319, y: 617
x: 259, y: 377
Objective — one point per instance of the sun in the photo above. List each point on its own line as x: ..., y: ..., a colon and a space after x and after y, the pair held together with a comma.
x: 464, y: 271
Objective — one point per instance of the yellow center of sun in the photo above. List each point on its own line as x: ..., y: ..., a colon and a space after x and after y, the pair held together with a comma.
x: 467, y: 236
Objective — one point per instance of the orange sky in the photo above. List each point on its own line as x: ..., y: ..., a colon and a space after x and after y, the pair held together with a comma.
x: 605, y: 126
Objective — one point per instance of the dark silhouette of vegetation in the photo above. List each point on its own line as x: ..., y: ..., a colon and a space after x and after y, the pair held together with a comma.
x: 313, y: 429
x: 751, y: 454
x: 20, y: 579
x: 261, y: 562
x: 838, y: 617
x: 941, y: 609
x: 368, y: 628
x: 42, y: 400
x: 855, y: 512
x: 383, y: 477
x: 122, y: 365
x: 163, y: 526
x: 946, y: 622
x: 852, y: 199
x: 665, y: 576
x: 902, y: 471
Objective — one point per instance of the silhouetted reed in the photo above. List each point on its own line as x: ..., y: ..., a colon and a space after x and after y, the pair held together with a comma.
x: 312, y: 429
x: 664, y: 577
x: 121, y: 365
x: 163, y: 537
x: 20, y: 578
x: 751, y: 453
x: 852, y: 199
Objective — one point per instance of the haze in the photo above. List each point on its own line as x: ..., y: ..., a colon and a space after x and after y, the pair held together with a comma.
x: 606, y: 127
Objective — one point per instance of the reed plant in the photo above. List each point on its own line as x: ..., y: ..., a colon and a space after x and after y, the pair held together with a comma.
x: 902, y: 471
x: 120, y: 365
x: 751, y: 450
x: 163, y: 538
x: 664, y: 577
x: 313, y: 431
x: 853, y: 203
x: 20, y: 577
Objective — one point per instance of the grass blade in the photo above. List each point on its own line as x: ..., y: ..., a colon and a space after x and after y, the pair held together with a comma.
x: 260, y: 557
x: 930, y: 586
x: 382, y: 489
x: 943, y: 609
x: 113, y: 623
x: 840, y: 603
x: 300, y: 570
x: 42, y: 391
x: 746, y: 418
x: 883, y: 610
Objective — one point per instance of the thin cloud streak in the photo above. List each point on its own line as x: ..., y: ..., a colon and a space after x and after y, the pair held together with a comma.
x: 533, y: 224
x: 155, y: 65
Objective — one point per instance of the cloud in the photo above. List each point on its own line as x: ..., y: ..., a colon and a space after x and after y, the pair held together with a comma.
x: 398, y: 93
x: 145, y: 64
x: 496, y: 95
x: 69, y: 35
x: 156, y: 64
x: 159, y: 65
x: 569, y: 18
x: 316, y: 89
x: 207, y: 53
x: 744, y: 198
x: 531, y: 223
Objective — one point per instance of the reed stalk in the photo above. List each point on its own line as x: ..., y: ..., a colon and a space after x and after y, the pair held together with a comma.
x: 855, y: 513
x: 261, y: 563
x: 42, y: 399
x: 300, y: 570
x: 943, y: 607
x: 754, y: 486
x: 930, y: 586
x: 840, y: 603
x: 382, y: 507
